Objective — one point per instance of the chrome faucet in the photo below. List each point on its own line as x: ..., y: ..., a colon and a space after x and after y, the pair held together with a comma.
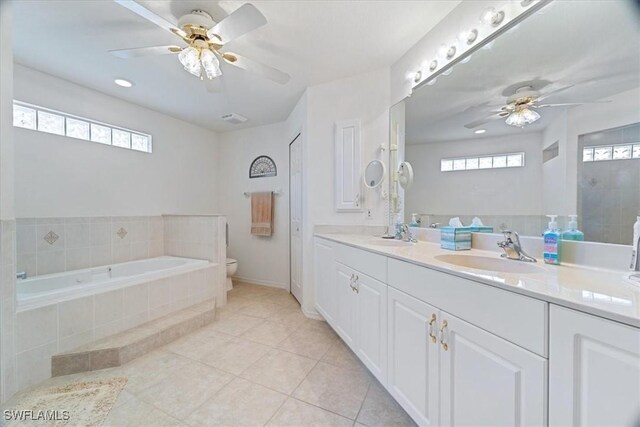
x: 513, y: 249
x: 21, y: 275
x: 635, y: 258
x: 406, y: 234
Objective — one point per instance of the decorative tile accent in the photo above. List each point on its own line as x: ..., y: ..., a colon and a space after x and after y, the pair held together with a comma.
x: 51, y: 237
x: 122, y: 233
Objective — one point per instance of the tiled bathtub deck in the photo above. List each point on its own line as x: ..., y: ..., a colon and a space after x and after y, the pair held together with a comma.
x: 261, y: 362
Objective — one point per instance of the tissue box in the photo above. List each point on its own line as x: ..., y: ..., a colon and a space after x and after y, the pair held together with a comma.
x: 481, y: 229
x: 455, y: 238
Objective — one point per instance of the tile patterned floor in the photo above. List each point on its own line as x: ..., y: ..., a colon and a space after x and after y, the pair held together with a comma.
x: 262, y: 362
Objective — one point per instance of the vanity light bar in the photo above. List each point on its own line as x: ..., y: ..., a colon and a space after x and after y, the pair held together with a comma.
x: 496, y: 161
x: 491, y: 21
x: 610, y: 152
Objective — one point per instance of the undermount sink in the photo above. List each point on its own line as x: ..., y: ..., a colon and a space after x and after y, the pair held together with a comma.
x: 491, y: 264
x: 390, y: 242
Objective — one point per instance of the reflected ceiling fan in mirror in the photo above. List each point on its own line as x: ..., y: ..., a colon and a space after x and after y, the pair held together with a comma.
x: 520, y: 108
x: 205, y: 40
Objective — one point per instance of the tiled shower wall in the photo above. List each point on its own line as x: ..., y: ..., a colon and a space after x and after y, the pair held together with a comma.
x: 52, y: 245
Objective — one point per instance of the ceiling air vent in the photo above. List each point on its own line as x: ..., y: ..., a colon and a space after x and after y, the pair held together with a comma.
x: 234, y: 118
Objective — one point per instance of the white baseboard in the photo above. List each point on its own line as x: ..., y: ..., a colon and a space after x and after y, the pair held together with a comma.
x: 312, y: 314
x: 261, y: 282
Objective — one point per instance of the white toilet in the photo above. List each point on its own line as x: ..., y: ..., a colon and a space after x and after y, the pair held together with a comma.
x: 232, y: 267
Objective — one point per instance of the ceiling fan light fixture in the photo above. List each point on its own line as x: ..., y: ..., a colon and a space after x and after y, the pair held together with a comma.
x: 210, y: 64
x: 190, y: 60
x: 522, y: 117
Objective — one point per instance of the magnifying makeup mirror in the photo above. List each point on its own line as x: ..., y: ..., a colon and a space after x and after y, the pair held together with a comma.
x: 405, y: 175
x: 374, y: 174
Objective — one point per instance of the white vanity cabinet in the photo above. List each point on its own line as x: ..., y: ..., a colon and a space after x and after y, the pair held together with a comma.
x: 325, y: 280
x: 413, y: 357
x: 445, y: 371
x: 352, y: 302
x: 594, y: 371
x: 456, y: 352
x: 486, y: 380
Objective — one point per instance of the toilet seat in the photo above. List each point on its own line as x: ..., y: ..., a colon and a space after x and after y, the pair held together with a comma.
x: 231, y: 261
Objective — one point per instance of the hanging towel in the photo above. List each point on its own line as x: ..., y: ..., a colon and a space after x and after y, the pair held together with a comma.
x: 262, y: 213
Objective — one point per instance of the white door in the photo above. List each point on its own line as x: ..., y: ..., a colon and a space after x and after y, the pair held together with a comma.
x: 413, y: 368
x: 371, y: 325
x: 346, y: 304
x: 325, y: 280
x: 594, y: 371
x: 295, y: 217
x: 488, y: 381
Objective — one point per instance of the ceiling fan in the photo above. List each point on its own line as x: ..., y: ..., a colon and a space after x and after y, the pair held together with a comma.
x: 520, y: 108
x: 205, y: 41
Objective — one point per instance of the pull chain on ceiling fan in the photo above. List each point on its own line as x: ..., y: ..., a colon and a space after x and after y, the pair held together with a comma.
x: 205, y: 39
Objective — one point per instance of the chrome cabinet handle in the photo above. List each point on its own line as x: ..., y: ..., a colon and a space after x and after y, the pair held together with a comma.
x: 445, y: 346
x: 351, y: 281
x: 357, y: 285
x: 431, y: 322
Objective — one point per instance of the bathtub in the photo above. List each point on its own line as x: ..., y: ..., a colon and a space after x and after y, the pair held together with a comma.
x: 58, y: 287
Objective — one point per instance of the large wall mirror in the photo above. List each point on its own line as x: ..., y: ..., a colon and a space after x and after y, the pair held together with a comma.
x: 545, y: 119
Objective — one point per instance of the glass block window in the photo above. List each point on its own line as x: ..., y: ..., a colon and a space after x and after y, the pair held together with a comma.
x: 24, y: 117
x: 121, y: 138
x: 28, y: 116
x: 611, y: 152
x: 498, y: 161
x: 77, y: 128
x: 50, y: 123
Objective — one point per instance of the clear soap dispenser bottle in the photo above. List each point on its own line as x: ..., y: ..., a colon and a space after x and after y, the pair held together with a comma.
x: 552, y: 242
x: 572, y: 232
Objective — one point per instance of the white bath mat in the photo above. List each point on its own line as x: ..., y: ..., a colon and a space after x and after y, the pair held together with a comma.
x: 77, y: 404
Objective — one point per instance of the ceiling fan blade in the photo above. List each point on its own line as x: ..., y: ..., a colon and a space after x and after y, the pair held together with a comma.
x: 570, y: 104
x: 142, y: 11
x: 555, y: 92
x: 214, y: 85
x: 144, y: 51
x: 244, y: 19
x: 492, y: 117
x: 256, y: 67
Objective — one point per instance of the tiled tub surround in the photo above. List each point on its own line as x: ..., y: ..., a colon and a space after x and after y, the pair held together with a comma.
x: 60, y: 326
x: 52, y: 245
x: 200, y: 237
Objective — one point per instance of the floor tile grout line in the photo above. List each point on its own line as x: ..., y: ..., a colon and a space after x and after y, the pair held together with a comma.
x: 363, y: 400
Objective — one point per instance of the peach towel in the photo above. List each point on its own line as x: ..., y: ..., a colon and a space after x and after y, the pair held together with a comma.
x: 262, y: 213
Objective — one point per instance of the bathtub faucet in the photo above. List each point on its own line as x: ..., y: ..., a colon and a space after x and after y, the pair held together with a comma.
x: 21, y: 275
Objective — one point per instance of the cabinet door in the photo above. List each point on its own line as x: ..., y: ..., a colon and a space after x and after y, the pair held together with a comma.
x: 371, y: 324
x: 594, y: 371
x: 413, y: 370
x: 325, y: 280
x: 347, y: 169
x: 346, y: 304
x: 486, y: 380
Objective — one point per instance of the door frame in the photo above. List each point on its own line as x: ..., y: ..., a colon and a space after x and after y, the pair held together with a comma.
x: 295, y: 138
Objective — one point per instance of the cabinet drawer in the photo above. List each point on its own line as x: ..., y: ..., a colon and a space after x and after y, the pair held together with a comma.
x: 374, y: 265
x: 516, y: 318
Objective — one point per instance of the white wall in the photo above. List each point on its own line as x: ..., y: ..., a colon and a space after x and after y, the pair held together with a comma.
x: 6, y: 113
x: 509, y: 191
x: 65, y: 177
x: 364, y: 97
x: 263, y: 260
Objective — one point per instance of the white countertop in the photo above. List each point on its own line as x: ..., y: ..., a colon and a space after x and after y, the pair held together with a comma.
x: 605, y: 293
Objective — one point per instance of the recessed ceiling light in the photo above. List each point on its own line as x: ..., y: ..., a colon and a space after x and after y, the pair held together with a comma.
x: 123, y: 82
x: 479, y: 131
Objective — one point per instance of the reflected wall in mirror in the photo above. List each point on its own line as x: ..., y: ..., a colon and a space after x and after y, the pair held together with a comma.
x: 542, y: 120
